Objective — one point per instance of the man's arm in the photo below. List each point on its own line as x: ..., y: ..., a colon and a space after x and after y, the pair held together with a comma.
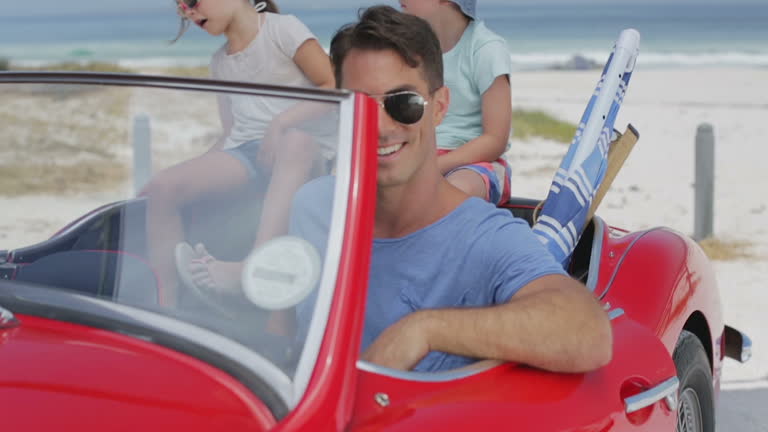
x: 553, y: 323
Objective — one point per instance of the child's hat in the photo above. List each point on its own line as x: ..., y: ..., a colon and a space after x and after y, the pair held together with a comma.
x: 467, y: 7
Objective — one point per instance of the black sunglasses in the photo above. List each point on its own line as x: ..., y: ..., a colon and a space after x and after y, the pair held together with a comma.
x: 188, y: 4
x: 406, y: 107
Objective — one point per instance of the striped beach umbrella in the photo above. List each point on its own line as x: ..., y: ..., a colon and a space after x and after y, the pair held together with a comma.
x: 563, y: 216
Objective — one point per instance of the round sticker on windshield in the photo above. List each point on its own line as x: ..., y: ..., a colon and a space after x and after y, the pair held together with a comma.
x: 281, y: 273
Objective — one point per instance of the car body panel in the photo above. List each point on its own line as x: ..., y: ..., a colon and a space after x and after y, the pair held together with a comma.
x: 50, y: 370
x: 516, y: 396
x: 328, y: 401
x: 663, y: 280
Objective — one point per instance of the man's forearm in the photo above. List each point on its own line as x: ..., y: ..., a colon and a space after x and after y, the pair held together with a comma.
x: 561, y: 329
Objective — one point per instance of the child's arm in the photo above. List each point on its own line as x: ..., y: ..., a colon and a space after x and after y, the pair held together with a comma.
x: 497, y: 119
x: 316, y: 65
x: 224, y: 107
x: 225, y: 115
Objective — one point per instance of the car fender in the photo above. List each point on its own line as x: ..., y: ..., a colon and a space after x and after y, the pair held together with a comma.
x: 664, y: 281
x: 505, y: 396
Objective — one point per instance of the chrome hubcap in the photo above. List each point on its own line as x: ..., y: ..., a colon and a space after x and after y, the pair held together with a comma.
x: 689, y: 412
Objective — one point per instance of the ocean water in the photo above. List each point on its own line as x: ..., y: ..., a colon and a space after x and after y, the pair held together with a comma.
x: 539, y: 36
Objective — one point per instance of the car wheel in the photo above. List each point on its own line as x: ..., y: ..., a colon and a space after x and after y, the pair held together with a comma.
x: 695, y: 409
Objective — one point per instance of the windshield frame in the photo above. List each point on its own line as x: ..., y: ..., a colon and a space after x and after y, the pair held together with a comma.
x: 245, y: 364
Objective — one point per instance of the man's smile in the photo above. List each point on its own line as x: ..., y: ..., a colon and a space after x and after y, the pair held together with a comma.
x: 391, y: 149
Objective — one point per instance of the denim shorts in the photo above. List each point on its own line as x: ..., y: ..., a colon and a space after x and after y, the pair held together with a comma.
x: 246, y: 153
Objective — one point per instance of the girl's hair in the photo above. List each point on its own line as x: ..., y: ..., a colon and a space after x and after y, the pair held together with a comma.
x: 271, y: 6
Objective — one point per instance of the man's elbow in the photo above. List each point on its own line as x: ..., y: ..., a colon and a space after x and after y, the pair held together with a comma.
x: 597, y: 350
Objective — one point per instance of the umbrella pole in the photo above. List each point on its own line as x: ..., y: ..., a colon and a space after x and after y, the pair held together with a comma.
x: 617, y: 153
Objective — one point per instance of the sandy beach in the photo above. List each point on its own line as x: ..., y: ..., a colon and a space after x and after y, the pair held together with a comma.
x: 655, y: 187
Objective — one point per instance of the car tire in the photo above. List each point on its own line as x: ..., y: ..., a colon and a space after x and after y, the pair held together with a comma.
x: 695, y: 408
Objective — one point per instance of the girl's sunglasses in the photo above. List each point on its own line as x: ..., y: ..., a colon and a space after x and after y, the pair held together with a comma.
x: 186, y: 5
x: 406, y: 107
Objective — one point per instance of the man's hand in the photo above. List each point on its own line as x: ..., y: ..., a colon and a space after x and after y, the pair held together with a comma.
x: 402, y: 345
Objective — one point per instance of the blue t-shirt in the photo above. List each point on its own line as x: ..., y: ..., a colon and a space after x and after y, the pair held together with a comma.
x: 475, y: 256
x: 470, y: 68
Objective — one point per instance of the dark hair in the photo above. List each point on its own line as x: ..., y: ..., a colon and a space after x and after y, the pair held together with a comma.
x: 271, y: 7
x: 382, y: 28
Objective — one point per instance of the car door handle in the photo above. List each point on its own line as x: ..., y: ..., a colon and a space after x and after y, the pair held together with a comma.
x: 666, y: 390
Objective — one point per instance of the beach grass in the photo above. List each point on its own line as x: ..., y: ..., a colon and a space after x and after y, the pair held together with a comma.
x: 726, y: 250
x: 185, y: 71
x: 528, y: 124
x: 63, y: 139
x: 78, y: 67
x: 51, y: 178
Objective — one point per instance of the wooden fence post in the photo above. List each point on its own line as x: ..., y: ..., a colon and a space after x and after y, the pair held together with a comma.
x: 704, y: 186
x: 142, y: 152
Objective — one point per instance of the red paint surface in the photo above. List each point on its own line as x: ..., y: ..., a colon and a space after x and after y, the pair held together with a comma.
x: 61, y: 376
x: 328, y: 401
x: 511, y: 397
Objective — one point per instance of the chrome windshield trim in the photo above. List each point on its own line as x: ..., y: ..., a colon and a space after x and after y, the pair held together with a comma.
x: 615, y: 313
x: 171, y: 82
x: 308, y: 359
x: 596, y: 253
x: 451, y: 375
x: 149, y: 326
x: 87, y: 217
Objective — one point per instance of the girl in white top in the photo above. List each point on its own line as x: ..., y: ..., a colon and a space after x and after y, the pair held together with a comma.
x: 262, y: 46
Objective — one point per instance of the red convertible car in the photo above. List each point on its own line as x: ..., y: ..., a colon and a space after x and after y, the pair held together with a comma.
x: 86, y: 344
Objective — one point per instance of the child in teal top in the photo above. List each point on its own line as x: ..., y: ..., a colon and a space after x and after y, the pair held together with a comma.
x: 474, y: 134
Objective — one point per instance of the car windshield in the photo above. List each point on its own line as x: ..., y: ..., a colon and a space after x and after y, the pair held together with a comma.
x: 180, y: 201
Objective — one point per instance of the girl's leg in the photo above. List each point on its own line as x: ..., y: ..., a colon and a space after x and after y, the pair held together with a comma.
x: 211, y: 173
x: 292, y: 168
x: 470, y: 182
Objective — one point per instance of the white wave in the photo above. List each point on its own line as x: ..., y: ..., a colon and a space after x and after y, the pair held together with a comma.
x: 162, y: 62
x: 156, y: 54
x: 546, y: 60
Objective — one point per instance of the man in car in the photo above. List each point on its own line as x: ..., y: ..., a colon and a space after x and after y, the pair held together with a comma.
x: 453, y: 279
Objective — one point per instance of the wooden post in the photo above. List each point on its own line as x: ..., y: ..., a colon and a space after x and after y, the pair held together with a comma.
x: 704, y: 186
x: 142, y: 152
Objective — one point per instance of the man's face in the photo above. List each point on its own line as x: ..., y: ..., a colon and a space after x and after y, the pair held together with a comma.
x: 403, y: 149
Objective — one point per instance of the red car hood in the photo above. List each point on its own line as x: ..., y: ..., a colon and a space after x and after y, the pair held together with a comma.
x: 59, y: 369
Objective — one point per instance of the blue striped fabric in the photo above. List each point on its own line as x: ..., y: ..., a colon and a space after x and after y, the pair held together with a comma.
x: 563, y: 216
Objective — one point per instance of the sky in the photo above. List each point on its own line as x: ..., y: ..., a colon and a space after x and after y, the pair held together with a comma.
x: 58, y: 7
